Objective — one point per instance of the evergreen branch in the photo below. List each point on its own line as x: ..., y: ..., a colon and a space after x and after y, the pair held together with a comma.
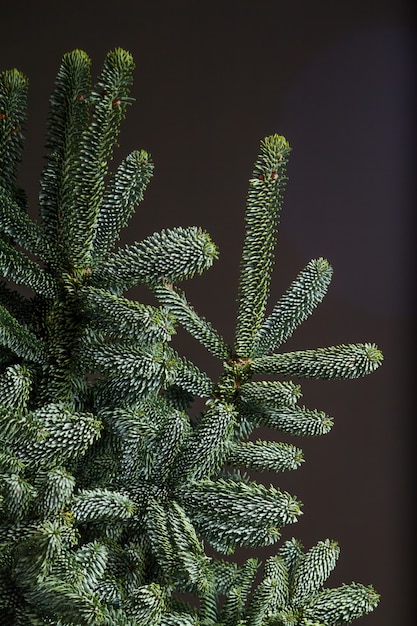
x: 296, y: 305
x: 238, y: 593
x: 67, y: 119
x: 9, y: 463
x: 19, y: 495
x: 270, y: 393
x: 128, y: 371
x: 334, y: 362
x: 276, y: 570
x: 16, y: 223
x: 209, y: 444
x: 188, y: 377
x: 314, y: 569
x: 109, y: 100
x: 57, y: 433
x: 298, y: 421
x: 15, y: 426
x: 124, y: 191
x: 179, y: 619
x: 39, y: 546
x: 224, y: 574
x: 188, y: 549
x: 342, y: 605
x: 171, y: 255
x: 178, y: 398
x: 15, y: 387
x: 55, y: 490
x: 101, y: 505
x: 117, y: 358
x: 262, y: 214
x: 90, y: 561
x: 230, y: 514
x: 17, y: 267
x: 20, y: 339
x: 266, y: 456
x: 147, y: 604
x: 291, y: 552
x: 170, y: 442
x: 68, y: 602
x: 262, y: 598
x: 176, y: 302
x: 125, y: 318
x: 156, y: 524
x: 13, y: 100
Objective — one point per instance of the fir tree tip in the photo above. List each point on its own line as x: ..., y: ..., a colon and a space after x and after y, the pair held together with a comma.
x: 322, y: 266
x: 374, y: 355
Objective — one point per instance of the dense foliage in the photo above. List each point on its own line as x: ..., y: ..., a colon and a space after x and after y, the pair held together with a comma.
x: 110, y: 486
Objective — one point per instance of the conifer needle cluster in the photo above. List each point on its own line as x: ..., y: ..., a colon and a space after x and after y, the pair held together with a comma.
x: 110, y: 486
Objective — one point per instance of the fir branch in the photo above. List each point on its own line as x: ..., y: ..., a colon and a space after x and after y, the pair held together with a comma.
x: 124, y: 318
x: 55, y: 489
x: 109, y: 99
x: 124, y: 191
x: 147, y: 603
x: 168, y: 445
x: 171, y: 255
x: 67, y: 119
x: 276, y: 570
x: 96, y: 445
x: 9, y: 463
x: 238, y: 593
x: 179, y: 619
x: 262, y: 214
x: 101, y: 505
x: 298, y: 420
x: 189, y: 550
x: 128, y: 372
x: 270, y: 393
x: 57, y: 433
x: 16, y: 223
x: 20, y: 339
x: 174, y: 299
x: 69, y: 602
x: 19, y: 495
x: 189, y: 378
x: 40, y: 545
x: 230, y: 514
x: 224, y: 574
x: 262, y: 598
x: 15, y: 387
x: 17, y: 267
x: 91, y: 561
x: 342, y: 605
x: 314, y: 569
x: 296, y: 305
x: 158, y: 534
x: 334, y: 362
x: 266, y: 456
x: 13, y: 100
x: 291, y: 552
x: 209, y: 445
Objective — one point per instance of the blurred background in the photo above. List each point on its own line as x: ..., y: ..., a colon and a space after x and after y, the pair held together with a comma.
x: 337, y: 79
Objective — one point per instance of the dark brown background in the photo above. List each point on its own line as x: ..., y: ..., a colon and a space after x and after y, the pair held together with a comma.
x: 337, y: 80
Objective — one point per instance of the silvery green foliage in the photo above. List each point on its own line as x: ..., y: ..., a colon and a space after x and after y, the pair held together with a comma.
x: 110, y: 486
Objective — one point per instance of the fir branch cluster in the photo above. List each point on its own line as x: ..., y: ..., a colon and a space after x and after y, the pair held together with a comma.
x: 109, y: 486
